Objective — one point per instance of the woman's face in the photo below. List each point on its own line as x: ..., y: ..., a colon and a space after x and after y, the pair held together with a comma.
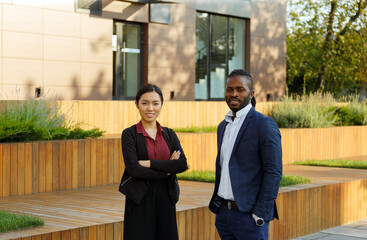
x: 149, y: 106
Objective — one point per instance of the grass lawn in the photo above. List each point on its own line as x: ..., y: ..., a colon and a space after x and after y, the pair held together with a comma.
x: 209, y: 176
x: 10, y: 222
x: 335, y: 163
x: 196, y: 129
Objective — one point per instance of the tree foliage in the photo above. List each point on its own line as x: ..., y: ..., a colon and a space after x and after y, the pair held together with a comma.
x: 326, y: 46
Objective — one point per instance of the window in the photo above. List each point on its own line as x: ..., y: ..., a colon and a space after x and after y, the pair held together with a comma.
x: 220, y: 48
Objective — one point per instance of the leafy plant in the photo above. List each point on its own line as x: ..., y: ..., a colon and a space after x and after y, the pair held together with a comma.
x: 39, y: 119
x: 307, y: 111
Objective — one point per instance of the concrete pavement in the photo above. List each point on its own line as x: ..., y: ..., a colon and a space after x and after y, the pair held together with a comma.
x: 352, y: 231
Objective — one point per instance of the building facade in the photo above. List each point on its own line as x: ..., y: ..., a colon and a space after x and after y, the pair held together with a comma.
x: 106, y: 49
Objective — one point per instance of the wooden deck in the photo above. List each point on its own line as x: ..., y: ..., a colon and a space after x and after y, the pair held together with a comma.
x: 97, y: 213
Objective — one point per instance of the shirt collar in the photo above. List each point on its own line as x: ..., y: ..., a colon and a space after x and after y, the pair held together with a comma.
x: 140, y: 129
x: 240, y: 114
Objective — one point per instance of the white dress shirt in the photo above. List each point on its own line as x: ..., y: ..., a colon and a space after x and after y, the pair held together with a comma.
x: 229, y: 137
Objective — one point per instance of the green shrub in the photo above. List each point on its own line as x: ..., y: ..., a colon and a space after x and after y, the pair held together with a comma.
x: 308, y: 111
x: 319, y: 110
x: 33, y: 119
x: 10, y: 222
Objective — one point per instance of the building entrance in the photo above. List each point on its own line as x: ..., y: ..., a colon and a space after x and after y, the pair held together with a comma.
x: 127, y: 45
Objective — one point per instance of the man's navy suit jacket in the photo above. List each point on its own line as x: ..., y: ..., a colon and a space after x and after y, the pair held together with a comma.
x: 255, y: 166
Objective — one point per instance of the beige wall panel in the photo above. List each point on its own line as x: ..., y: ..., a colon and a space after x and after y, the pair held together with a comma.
x: 96, y: 28
x: 182, y: 16
x: 166, y: 35
x: 22, y: 45
x: 172, y: 78
x: 268, y: 29
x: 22, y: 19
x: 88, y: 93
x: 190, y: 4
x: 180, y: 95
x: 268, y: 48
x: 270, y: 80
x: 263, y: 48
x: 126, y: 11
x: 18, y: 92
x: 22, y: 72
x: 269, y: 10
x: 95, y: 51
x: 96, y: 75
x: 61, y: 5
x: 62, y: 93
x: 171, y: 57
x: 65, y: 74
x: 62, y: 23
x: 29, y: 3
x: 181, y: 81
x: 62, y: 48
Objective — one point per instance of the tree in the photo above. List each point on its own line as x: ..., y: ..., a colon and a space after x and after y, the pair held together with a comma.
x: 327, y: 46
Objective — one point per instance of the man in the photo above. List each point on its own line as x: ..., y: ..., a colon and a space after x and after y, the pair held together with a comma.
x: 248, y: 165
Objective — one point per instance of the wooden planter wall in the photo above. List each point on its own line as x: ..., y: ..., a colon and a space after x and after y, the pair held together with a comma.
x: 27, y: 168
x: 36, y: 167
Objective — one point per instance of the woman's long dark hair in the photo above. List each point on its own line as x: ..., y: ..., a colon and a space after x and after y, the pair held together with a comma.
x: 148, y: 88
x: 241, y: 72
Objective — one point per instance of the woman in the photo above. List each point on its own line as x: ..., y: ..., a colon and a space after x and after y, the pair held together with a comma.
x: 152, y: 155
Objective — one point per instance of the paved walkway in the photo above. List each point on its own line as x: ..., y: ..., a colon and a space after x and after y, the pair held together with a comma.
x: 352, y: 231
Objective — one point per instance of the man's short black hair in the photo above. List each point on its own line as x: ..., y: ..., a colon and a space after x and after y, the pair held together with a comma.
x: 241, y: 72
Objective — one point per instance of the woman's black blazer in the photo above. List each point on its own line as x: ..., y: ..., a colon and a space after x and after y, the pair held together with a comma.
x: 135, y: 180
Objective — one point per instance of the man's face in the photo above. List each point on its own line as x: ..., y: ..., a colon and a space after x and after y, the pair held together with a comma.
x: 237, y: 93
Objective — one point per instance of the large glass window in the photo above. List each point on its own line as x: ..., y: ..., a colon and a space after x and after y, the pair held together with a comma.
x: 220, y: 48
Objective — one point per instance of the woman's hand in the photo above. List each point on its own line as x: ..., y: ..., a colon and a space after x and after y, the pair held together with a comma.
x: 145, y: 163
x: 175, y: 155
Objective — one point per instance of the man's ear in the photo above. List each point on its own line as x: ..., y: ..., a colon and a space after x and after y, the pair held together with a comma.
x: 252, y: 93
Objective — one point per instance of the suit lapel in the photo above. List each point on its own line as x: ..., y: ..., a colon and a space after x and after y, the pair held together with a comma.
x: 245, y: 123
x: 220, y: 136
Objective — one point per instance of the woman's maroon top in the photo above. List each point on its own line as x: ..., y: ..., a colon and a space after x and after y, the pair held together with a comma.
x: 158, y: 148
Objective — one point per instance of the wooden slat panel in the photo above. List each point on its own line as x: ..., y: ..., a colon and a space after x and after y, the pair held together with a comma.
x: 75, y: 165
x: 35, y: 166
x: 62, y: 165
x: 81, y: 164
x: 13, y: 169
x: 87, y: 166
x: 116, y: 161
x: 99, y: 163
x: 68, y: 164
x: 6, y: 170
x: 117, y: 231
x: 93, y: 163
x: 104, y: 161
x: 110, y: 161
x: 28, y: 168
x: 21, y: 169
x: 49, y: 153
x: 42, y: 167
x: 56, y: 166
